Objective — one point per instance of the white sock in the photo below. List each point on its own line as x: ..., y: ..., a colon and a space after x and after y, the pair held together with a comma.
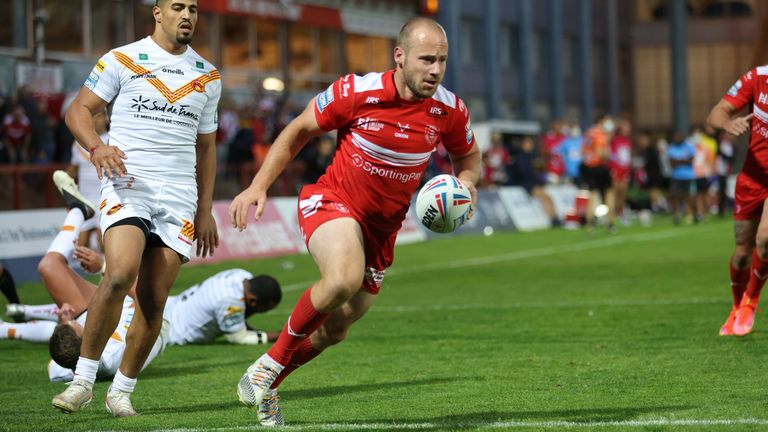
x: 64, y: 243
x: 48, y: 312
x: 123, y: 383
x: 34, y: 331
x: 86, y: 369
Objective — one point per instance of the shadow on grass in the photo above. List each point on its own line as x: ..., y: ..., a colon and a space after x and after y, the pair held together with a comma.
x: 189, y: 368
x: 474, y: 420
x: 357, y: 388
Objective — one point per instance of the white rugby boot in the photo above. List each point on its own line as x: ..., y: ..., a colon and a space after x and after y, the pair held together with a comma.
x: 77, y: 396
x: 269, y: 412
x: 118, y: 403
x: 257, y: 379
x: 72, y: 196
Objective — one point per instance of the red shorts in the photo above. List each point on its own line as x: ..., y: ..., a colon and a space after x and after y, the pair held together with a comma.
x: 619, y: 175
x: 318, y: 205
x: 749, y: 199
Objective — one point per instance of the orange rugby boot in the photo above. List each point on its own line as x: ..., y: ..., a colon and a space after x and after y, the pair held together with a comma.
x: 727, y: 328
x: 745, y: 317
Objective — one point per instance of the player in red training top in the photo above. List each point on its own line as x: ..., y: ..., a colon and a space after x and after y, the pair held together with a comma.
x: 388, y: 126
x: 750, y: 221
x: 620, y: 166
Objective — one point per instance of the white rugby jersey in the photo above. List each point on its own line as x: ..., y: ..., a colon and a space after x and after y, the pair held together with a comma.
x: 161, y: 103
x: 113, y: 352
x: 207, y: 310
x: 87, y: 179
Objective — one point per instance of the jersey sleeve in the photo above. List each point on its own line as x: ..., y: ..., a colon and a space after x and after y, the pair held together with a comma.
x: 58, y: 373
x: 334, y: 107
x: 209, y: 120
x: 230, y: 315
x: 459, y: 139
x: 104, y: 79
x: 742, y: 91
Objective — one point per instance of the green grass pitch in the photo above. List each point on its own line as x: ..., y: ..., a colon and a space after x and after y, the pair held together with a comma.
x: 552, y: 330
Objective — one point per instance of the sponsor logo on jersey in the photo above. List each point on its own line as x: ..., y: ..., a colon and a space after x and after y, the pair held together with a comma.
x: 762, y: 98
x: 176, y: 71
x: 172, y: 96
x: 437, y: 111
x: 430, y: 134
x: 100, y: 65
x: 371, y: 100
x: 403, y: 128
x: 340, y: 207
x: 734, y: 90
x: 199, y: 65
x: 469, y: 134
x: 187, y: 233
x: 141, y: 103
x: 143, y: 56
x: 92, y: 80
x: 143, y: 75
x: 369, y: 124
x: 387, y: 173
x: 374, y: 276
x: 324, y: 99
x: 114, y: 209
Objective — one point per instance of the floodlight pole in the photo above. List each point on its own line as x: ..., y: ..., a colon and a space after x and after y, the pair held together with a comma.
x: 679, y: 61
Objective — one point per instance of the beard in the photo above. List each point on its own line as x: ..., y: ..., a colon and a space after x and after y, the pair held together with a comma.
x: 183, y: 39
x: 413, y: 85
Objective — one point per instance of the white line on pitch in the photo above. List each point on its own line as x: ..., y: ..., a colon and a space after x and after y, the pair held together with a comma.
x: 525, y: 254
x: 555, y: 424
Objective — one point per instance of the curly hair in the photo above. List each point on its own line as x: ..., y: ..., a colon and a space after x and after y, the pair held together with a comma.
x: 64, y: 346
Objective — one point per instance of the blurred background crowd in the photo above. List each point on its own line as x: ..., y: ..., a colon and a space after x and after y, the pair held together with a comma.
x: 607, y: 90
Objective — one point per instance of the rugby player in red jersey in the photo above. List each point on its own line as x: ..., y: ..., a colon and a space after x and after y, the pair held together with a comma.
x: 388, y: 126
x: 750, y: 219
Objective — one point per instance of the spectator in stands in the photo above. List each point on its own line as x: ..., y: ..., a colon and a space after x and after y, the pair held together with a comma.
x: 550, y: 152
x: 528, y: 174
x: 42, y: 125
x: 726, y: 151
x: 570, y: 151
x: 17, y: 135
x: 620, y: 166
x: 594, y: 173
x: 681, y: 153
x: 497, y: 161
x: 316, y: 159
x: 703, y: 167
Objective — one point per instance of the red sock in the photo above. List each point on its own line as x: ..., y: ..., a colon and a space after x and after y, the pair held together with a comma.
x: 739, y: 280
x: 756, y: 277
x: 303, y: 354
x: 304, y: 320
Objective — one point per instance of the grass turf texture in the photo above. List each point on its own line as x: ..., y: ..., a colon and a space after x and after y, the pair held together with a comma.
x: 553, y: 330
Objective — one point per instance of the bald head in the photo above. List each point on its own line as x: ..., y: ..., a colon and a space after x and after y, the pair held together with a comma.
x: 417, y: 25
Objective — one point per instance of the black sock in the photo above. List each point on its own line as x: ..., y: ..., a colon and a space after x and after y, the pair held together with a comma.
x: 8, y: 287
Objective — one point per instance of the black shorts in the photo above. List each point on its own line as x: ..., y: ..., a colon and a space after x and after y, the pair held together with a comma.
x: 596, y: 178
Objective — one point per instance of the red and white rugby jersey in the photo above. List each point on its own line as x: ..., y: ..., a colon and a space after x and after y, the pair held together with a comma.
x: 752, y: 88
x: 384, y: 142
x: 162, y: 102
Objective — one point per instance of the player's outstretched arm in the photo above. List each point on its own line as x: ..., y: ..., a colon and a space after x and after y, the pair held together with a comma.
x: 721, y: 117
x: 467, y: 169
x: 206, y: 233
x: 79, y: 120
x: 283, y: 150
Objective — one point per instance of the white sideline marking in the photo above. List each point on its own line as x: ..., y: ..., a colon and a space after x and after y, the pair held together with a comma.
x: 555, y: 424
x: 525, y: 254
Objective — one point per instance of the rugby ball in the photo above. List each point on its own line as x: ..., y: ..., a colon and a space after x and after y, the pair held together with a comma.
x: 443, y: 204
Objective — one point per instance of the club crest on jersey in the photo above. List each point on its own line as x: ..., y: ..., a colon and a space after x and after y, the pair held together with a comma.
x: 430, y: 134
x: 198, y: 86
x: 187, y: 233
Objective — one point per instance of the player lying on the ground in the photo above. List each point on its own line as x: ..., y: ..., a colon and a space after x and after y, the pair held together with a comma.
x: 67, y: 336
x: 217, y: 306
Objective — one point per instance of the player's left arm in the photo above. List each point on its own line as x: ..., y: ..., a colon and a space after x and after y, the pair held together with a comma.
x: 467, y: 168
x: 205, y: 225
x: 248, y: 337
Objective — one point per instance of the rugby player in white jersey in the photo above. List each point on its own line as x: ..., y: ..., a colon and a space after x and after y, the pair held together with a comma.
x: 157, y: 174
